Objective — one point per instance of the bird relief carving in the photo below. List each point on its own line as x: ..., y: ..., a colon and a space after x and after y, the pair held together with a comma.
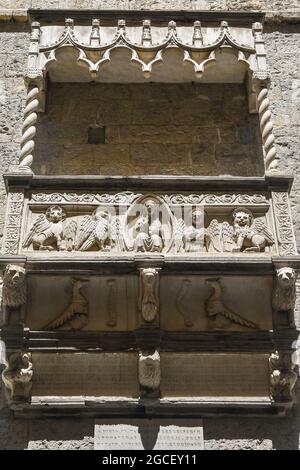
x: 219, y: 315
x: 75, y: 315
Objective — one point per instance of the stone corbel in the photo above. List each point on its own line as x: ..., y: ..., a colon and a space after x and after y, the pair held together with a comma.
x: 149, y: 373
x: 284, y: 297
x: 17, y: 377
x: 282, y: 377
x: 14, y: 296
x: 148, y: 302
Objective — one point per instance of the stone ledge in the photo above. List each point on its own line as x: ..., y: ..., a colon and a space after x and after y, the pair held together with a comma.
x: 24, y: 16
x: 14, y: 16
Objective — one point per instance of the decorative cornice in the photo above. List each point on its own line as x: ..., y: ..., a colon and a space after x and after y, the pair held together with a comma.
x: 54, y: 16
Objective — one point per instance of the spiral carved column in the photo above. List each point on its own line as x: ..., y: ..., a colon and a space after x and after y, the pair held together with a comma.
x: 266, y: 126
x: 29, y: 129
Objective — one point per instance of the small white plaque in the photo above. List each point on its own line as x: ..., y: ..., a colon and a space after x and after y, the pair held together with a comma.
x: 148, y: 434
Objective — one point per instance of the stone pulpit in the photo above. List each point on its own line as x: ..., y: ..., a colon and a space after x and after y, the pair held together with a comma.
x: 149, y: 261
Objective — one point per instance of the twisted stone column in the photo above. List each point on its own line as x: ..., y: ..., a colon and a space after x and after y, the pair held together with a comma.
x: 29, y: 129
x: 261, y: 81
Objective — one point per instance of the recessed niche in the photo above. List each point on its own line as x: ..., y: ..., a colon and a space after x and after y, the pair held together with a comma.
x: 96, y: 135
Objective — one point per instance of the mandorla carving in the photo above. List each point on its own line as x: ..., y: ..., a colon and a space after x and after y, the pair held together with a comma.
x: 149, y: 370
x: 284, y: 292
x: 17, y: 376
x: 29, y: 129
x: 49, y: 232
x: 283, y: 377
x: 148, y: 229
x: 75, y: 316
x: 14, y: 294
x: 219, y: 315
x: 149, y: 293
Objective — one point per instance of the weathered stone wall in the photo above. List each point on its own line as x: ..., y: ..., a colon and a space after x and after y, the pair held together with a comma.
x: 190, y: 129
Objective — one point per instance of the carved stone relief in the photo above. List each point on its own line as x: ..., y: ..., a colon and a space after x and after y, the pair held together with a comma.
x: 75, y: 316
x: 149, y: 370
x: 127, y: 302
x: 89, y: 303
x: 50, y: 232
x: 284, y: 225
x: 219, y: 315
x: 14, y: 295
x: 12, y: 232
x: 282, y: 377
x: 182, y: 302
x: 150, y: 224
x: 284, y: 295
x: 245, y: 234
x: 112, y: 315
x: 149, y: 294
x: 17, y: 376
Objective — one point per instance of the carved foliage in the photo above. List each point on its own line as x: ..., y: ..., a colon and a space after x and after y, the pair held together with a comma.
x: 15, y: 205
x: 17, y: 376
x: 284, y: 226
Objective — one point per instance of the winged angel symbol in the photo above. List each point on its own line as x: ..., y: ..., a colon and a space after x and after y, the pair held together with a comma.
x: 50, y: 231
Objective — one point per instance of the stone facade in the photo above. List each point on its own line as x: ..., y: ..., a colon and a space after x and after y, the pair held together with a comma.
x: 177, y: 145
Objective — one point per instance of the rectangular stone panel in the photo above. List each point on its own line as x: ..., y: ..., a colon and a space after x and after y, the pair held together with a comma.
x: 214, y: 375
x: 184, y: 303
x: 154, y: 434
x: 81, y: 374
